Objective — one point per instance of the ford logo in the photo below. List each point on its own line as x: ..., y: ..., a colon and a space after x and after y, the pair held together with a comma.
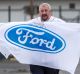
x: 35, y: 38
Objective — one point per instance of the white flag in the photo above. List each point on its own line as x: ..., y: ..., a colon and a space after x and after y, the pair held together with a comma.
x: 4, y: 47
x: 56, y: 45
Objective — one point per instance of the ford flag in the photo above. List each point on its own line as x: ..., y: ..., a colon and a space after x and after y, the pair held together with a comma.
x: 34, y: 38
x: 54, y: 45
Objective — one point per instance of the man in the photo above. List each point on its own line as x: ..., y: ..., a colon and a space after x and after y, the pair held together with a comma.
x: 45, y: 16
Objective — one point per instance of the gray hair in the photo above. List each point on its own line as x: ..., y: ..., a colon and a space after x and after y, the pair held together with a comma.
x: 46, y: 5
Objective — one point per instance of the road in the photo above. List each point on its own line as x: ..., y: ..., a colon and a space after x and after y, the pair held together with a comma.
x: 11, y: 67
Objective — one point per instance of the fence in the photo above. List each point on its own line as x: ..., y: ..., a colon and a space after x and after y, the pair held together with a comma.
x: 69, y: 15
x: 9, y: 14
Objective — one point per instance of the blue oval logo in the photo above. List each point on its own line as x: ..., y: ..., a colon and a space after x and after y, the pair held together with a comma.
x: 35, y: 38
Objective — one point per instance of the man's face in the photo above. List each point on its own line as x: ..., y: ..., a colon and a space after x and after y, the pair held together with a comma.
x: 44, y: 13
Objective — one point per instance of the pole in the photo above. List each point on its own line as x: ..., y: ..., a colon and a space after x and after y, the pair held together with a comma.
x: 9, y: 14
x: 31, y: 8
x: 60, y: 12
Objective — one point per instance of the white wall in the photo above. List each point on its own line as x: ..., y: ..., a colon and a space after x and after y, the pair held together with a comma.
x: 15, y: 15
x: 19, y: 4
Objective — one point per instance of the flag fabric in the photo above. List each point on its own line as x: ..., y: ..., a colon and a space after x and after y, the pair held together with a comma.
x: 54, y: 45
x: 3, y: 49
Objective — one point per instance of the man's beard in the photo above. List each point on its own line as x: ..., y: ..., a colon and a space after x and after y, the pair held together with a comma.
x: 43, y: 17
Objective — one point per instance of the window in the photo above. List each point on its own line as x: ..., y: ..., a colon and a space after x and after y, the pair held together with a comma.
x: 72, y: 5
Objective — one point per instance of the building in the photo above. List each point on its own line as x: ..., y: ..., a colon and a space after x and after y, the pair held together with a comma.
x: 19, y: 10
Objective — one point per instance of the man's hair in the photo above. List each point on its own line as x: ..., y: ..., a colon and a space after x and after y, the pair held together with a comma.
x: 47, y: 4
